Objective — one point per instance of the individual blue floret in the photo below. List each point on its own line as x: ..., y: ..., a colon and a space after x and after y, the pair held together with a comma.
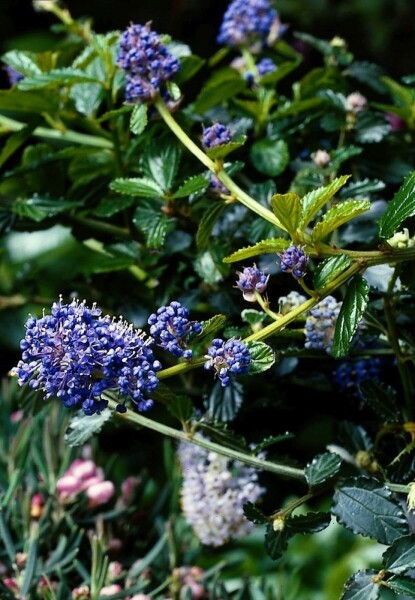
x: 170, y: 326
x: 228, y: 358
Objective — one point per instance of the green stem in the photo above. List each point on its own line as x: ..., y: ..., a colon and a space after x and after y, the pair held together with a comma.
x: 141, y: 421
x: 99, y: 226
x: 265, y: 307
x: 215, y: 167
x: 398, y: 488
x: 62, y: 136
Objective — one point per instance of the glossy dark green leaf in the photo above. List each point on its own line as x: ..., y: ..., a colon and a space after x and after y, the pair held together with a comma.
x: 287, y: 208
x: 276, y: 542
x: 224, y: 84
x: 193, y: 185
x: 367, y: 507
x: 402, y: 468
x: 381, y: 399
x: 350, y: 315
x: 329, y: 269
x: 181, y: 407
x: 137, y: 186
x: 339, y: 215
x: 400, y: 208
x: 219, y: 432
x: 262, y: 357
x: 311, y: 522
x: 364, y: 187
x: 403, y: 585
x: 222, y: 150
x: 38, y: 208
x: 361, y: 586
x: 82, y: 427
x: 55, y: 78
x: 154, y: 224
x: 253, y: 514
x: 138, y: 120
x: 160, y: 162
x: 314, y: 201
x: 322, y: 468
x: 372, y: 128
x: 223, y: 403
x: 271, y: 246
x: 368, y: 73
x: 207, y: 223
x: 270, y: 157
x: 400, y: 556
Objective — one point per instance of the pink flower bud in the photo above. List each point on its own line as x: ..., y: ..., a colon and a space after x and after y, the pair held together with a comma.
x: 68, y: 485
x: 100, y: 493
x: 114, y: 570
x: 83, y: 469
x: 109, y: 590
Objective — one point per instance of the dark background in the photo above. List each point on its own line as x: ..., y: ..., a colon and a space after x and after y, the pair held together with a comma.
x: 380, y: 31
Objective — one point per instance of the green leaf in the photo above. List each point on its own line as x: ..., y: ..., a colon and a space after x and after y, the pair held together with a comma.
x: 367, y: 507
x: 211, y: 325
x: 207, y: 223
x: 400, y: 556
x: 223, y: 403
x: 16, y: 140
x: 270, y: 157
x: 381, y: 399
x: 82, y: 427
x: 311, y: 522
x: 181, y: 407
x: 361, y: 586
x: 30, y: 102
x: 368, y: 73
x: 271, y: 440
x: 193, y: 185
x: 402, y: 585
x: 154, y: 224
x: 224, y: 84
x: 314, y: 201
x: 400, y: 208
x: 262, y: 357
x: 350, y: 315
x: 55, y: 78
x: 38, y: 208
x: 160, y: 162
x: 137, y: 186
x: 322, y: 468
x: 253, y: 514
x: 364, y: 187
x: 253, y: 317
x: 329, y: 269
x: 276, y: 541
x: 22, y: 62
x: 338, y: 215
x: 371, y: 128
x: 219, y: 432
x: 207, y: 267
x: 287, y: 208
x: 189, y: 66
x: 270, y: 246
x: 222, y: 150
x: 402, y: 468
x: 138, y: 120
x: 174, y: 90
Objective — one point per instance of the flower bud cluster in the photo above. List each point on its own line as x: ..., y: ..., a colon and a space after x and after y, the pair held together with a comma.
x: 321, y: 323
x: 246, y: 22
x: 350, y: 373
x: 355, y: 103
x: 213, y: 494
x: 76, y: 354
x: 170, y: 326
x: 146, y: 61
x: 252, y: 280
x: 290, y: 301
x: 294, y: 260
x: 226, y: 358
x: 216, y: 135
x: 85, y: 476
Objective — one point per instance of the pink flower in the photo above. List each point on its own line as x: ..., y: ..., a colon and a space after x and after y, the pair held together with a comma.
x: 109, y: 590
x: 100, y: 493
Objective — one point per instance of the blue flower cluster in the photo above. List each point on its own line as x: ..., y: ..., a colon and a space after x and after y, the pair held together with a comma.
x: 228, y: 357
x: 266, y: 66
x: 252, y: 280
x: 146, y: 61
x: 170, y: 325
x: 294, y: 260
x: 246, y: 22
x: 350, y: 373
x: 320, y: 324
x: 76, y: 354
x: 216, y: 135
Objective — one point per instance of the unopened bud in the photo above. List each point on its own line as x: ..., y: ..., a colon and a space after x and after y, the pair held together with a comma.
x: 278, y: 524
x: 100, y: 493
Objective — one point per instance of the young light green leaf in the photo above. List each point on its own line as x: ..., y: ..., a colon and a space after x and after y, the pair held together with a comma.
x: 207, y: 223
x: 314, y: 201
x: 254, y: 317
x: 270, y: 246
x: 270, y: 157
x: 351, y: 312
x: 82, y: 427
x: 193, y: 185
x: 222, y: 150
x: 139, y: 119
x: 137, y: 186
x: 287, y: 208
x: 174, y: 90
x: 160, y: 162
x: 400, y: 556
x: 338, y: 215
x: 400, y: 208
x: 22, y: 62
x: 56, y: 78
x: 262, y: 357
x: 329, y: 269
x: 322, y: 468
x: 366, y: 506
x: 361, y: 586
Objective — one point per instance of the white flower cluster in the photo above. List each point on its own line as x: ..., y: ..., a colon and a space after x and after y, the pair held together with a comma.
x: 213, y: 494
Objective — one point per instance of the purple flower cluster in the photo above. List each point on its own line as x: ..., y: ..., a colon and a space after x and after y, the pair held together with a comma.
x: 170, y: 325
x: 252, y: 280
x: 76, y: 354
x: 231, y: 357
x: 321, y: 323
x: 246, y: 22
x: 147, y: 63
x: 294, y: 260
x: 350, y: 373
x: 266, y: 66
x: 216, y: 135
